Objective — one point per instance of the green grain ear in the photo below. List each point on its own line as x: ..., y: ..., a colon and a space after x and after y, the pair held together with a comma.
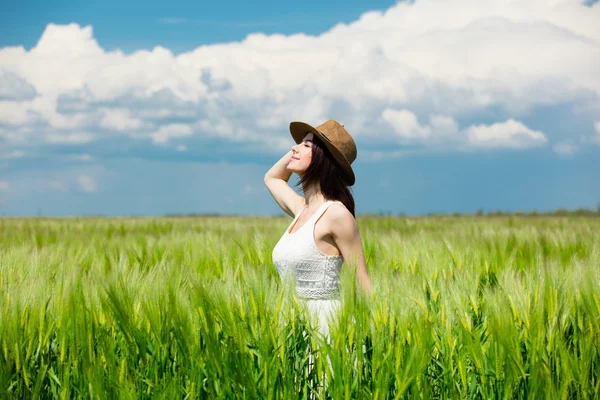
x: 462, y: 307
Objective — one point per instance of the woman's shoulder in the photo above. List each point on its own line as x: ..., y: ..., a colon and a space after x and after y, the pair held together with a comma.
x: 340, y: 221
x: 339, y: 213
x: 336, y: 204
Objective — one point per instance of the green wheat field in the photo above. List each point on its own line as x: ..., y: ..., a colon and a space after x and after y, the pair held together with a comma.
x: 462, y: 307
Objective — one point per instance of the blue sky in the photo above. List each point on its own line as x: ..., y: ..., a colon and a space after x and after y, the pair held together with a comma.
x: 150, y: 108
x: 177, y: 25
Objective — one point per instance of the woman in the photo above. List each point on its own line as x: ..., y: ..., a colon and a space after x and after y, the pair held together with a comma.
x: 324, y: 233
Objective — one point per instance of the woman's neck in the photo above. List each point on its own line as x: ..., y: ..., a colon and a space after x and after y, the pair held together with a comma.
x: 313, y: 196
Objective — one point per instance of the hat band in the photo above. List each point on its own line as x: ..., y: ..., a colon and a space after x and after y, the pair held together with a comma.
x: 325, y: 136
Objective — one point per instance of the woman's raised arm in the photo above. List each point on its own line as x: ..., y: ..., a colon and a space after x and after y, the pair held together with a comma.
x: 276, y: 180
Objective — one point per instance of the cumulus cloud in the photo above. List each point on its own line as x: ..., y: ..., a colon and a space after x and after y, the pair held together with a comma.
x: 510, y: 134
x: 12, y: 87
x: 444, y: 130
x: 405, y: 124
x: 444, y: 125
x: 166, y: 132
x: 120, y: 120
x: 442, y: 61
x: 69, y: 138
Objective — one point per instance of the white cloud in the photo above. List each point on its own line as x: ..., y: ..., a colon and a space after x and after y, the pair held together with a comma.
x: 405, y: 124
x: 12, y: 87
x: 443, y: 125
x: 564, y: 149
x: 164, y: 133
x: 375, y: 74
x: 69, y: 138
x: 87, y: 183
x: 16, y: 113
x: 120, y: 120
x: 4, y: 186
x: 509, y: 134
x: 444, y: 131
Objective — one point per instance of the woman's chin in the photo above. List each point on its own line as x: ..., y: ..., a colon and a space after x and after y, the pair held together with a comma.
x: 294, y: 168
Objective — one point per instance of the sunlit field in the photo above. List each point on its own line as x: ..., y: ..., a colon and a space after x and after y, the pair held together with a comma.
x: 479, y: 307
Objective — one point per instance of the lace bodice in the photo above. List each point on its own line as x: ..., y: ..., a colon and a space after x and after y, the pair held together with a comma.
x: 316, y: 274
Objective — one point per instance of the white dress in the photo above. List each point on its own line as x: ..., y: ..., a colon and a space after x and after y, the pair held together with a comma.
x: 316, y: 274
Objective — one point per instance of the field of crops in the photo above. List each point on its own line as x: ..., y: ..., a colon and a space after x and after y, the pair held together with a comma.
x: 476, y: 307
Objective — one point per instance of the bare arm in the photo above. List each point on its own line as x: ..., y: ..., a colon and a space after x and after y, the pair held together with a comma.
x: 276, y: 181
x: 344, y: 231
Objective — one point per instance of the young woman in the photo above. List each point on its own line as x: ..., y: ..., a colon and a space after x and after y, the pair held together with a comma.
x: 324, y: 233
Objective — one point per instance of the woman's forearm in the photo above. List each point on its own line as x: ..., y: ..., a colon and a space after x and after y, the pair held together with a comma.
x: 364, y: 280
x: 279, y: 170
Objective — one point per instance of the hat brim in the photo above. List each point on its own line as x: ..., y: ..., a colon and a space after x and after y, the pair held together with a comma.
x: 300, y: 129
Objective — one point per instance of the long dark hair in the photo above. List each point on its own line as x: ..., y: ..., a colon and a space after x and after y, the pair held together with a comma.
x: 324, y: 170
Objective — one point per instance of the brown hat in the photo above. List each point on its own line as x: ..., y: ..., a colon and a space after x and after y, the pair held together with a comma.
x: 337, y: 140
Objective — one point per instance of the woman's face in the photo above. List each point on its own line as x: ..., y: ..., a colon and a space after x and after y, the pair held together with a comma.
x: 301, y: 155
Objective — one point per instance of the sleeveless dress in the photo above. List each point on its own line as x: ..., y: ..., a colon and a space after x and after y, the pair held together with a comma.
x: 316, y: 274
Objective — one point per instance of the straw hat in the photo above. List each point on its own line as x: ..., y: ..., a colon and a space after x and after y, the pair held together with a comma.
x: 337, y: 140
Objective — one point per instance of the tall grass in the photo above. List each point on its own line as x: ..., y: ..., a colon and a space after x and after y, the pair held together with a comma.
x: 193, y: 308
